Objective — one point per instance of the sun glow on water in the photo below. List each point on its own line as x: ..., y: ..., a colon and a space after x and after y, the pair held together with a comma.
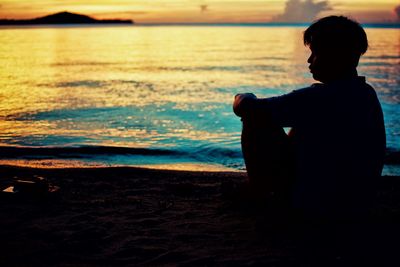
x: 160, y: 87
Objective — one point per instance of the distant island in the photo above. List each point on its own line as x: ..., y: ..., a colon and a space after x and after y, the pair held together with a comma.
x: 63, y: 18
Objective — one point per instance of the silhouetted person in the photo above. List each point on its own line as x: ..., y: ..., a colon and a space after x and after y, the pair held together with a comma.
x: 331, y: 158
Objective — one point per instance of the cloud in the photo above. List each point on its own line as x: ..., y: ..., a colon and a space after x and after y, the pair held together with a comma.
x: 302, y: 11
x: 397, y: 12
x: 203, y: 8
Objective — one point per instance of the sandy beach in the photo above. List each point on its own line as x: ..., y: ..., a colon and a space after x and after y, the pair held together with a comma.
x: 143, y: 217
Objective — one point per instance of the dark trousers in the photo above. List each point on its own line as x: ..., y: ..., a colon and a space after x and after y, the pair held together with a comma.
x: 268, y: 155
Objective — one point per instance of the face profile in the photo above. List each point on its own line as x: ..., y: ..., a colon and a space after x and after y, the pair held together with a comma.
x: 316, y: 66
x: 324, y: 67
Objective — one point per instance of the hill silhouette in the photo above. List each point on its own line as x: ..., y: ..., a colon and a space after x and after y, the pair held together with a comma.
x: 63, y: 18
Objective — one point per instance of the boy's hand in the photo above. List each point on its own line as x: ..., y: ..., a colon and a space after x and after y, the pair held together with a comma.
x: 241, y: 103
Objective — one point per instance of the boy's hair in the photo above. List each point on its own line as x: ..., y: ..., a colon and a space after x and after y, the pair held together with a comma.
x: 337, y: 35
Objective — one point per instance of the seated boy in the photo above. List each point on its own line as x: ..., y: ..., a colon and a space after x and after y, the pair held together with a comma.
x: 334, y: 152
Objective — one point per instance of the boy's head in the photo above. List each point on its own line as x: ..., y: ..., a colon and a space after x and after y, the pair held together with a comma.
x: 336, y: 44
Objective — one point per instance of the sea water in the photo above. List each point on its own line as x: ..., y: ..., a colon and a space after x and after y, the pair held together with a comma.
x: 160, y: 96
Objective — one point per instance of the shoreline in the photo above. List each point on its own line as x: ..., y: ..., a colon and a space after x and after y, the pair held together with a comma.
x: 79, y: 164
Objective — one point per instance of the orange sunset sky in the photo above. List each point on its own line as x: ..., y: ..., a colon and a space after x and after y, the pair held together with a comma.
x: 207, y: 11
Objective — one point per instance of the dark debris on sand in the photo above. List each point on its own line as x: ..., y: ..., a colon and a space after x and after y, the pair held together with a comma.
x: 139, y: 217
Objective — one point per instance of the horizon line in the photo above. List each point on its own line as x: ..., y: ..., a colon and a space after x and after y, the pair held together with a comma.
x: 393, y: 25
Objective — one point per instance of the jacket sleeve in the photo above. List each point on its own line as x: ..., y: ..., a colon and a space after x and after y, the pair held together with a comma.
x: 290, y: 109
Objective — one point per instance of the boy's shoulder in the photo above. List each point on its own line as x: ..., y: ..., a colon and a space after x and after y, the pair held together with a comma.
x: 342, y: 86
x: 314, y: 89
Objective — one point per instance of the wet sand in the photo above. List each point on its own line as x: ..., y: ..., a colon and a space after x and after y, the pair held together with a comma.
x: 143, y: 217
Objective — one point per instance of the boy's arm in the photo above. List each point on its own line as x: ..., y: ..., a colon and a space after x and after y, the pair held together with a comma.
x: 287, y: 110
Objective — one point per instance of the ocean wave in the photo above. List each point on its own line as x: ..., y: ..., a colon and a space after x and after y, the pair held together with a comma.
x: 376, y: 64
x: 212, y: 152
x: 68, y: 152
x: 380, y: 57
x: 84, y: 83
x: 203, y: 154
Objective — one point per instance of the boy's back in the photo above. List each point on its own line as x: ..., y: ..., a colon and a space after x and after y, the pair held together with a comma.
x: 339, y: 140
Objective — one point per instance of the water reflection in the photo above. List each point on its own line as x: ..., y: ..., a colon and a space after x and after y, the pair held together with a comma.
x: 160, y: 86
